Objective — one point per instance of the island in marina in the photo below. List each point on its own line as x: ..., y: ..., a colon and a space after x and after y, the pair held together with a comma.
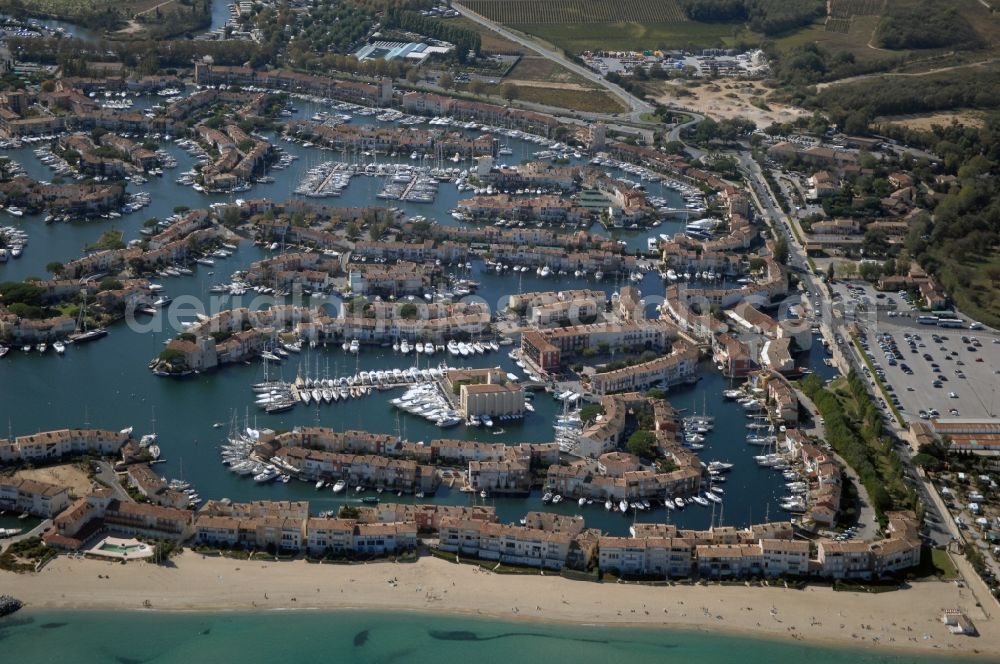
x: 554, y: 352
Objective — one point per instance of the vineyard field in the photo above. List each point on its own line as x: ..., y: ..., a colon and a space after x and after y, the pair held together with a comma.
x: 849, y: 8
x: 842, y: 25
x: 555, y: 12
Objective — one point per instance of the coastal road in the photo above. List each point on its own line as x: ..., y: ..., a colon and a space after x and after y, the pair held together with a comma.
x: 636, y: 106
x: 942, y: 529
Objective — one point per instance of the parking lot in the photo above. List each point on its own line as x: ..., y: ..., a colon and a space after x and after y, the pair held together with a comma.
x: 929, y: 371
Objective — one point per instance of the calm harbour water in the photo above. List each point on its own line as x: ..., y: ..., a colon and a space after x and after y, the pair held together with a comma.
x: 44, y: 393
x: 86, y: 637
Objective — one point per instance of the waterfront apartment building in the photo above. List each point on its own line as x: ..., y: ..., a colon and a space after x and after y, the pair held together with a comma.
x: 546, y: 349
x: 578, y: 482
x: 500, y: 477
x: 25, y: 496
x: 52, y: 445
x: 99, y: 512
x: 524, y: 302
x: 491, y: 400
x: 549, y: 308
x: 318, y: 536
x: 427, y: 516
x: 505, y: 543
x: 294, y: 509
x: 543, y: 539
x: 375, y: 94
x: 329, y: 535
x: 539, y: 352
x: 441, y: 451
x: 852, y: 560
x: 708, y: 554
x: 485, y: 392
x: 396, y: 279
x: 143, y: 520
x: 605, y: 434
x: 364, y: 470
x: 646, y: 556
x: 150, y: 485
x: 681, y: 363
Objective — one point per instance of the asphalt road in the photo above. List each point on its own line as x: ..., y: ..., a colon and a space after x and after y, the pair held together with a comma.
x: 940, y: 528
x: 106, y: 475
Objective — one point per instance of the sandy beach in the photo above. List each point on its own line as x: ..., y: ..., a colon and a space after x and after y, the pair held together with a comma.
x: 908, y: 619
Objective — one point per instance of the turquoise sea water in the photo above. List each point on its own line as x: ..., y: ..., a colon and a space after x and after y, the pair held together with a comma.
x: 342, y: 637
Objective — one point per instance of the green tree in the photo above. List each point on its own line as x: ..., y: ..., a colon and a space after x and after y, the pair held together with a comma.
x: 510, y: 91
x: 781, y: 250
x: 642, y: 443
x: 171, y: 355
x: 353, y: 231
x: 590, y: 412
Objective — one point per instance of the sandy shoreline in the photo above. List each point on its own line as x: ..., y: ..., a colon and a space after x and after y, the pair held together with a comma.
x: 904, y: 620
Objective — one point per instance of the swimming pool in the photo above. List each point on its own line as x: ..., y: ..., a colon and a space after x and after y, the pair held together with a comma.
x: 123, y: 548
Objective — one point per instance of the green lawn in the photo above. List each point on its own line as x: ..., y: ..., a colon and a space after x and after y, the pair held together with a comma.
x: 855, y: 41
x: 978, y: 298
x: 935, y: 563
x: 579, y: 37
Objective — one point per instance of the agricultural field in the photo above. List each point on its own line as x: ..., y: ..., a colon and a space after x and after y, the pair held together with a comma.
x: 556, y: 12
x: 579, y: 37
x: 849, y: 8
x: 852, y: 24
x: 541, y: 80
x: 490, y: 41
x: 586, y: 25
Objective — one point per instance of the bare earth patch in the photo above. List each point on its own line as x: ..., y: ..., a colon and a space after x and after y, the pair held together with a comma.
x: 68, y: 474
x: 548, y: 84
x: 927, y: 120
x: 727, y: 99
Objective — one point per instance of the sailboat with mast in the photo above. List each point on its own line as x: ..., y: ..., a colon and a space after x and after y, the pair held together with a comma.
x: 82, y: 334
